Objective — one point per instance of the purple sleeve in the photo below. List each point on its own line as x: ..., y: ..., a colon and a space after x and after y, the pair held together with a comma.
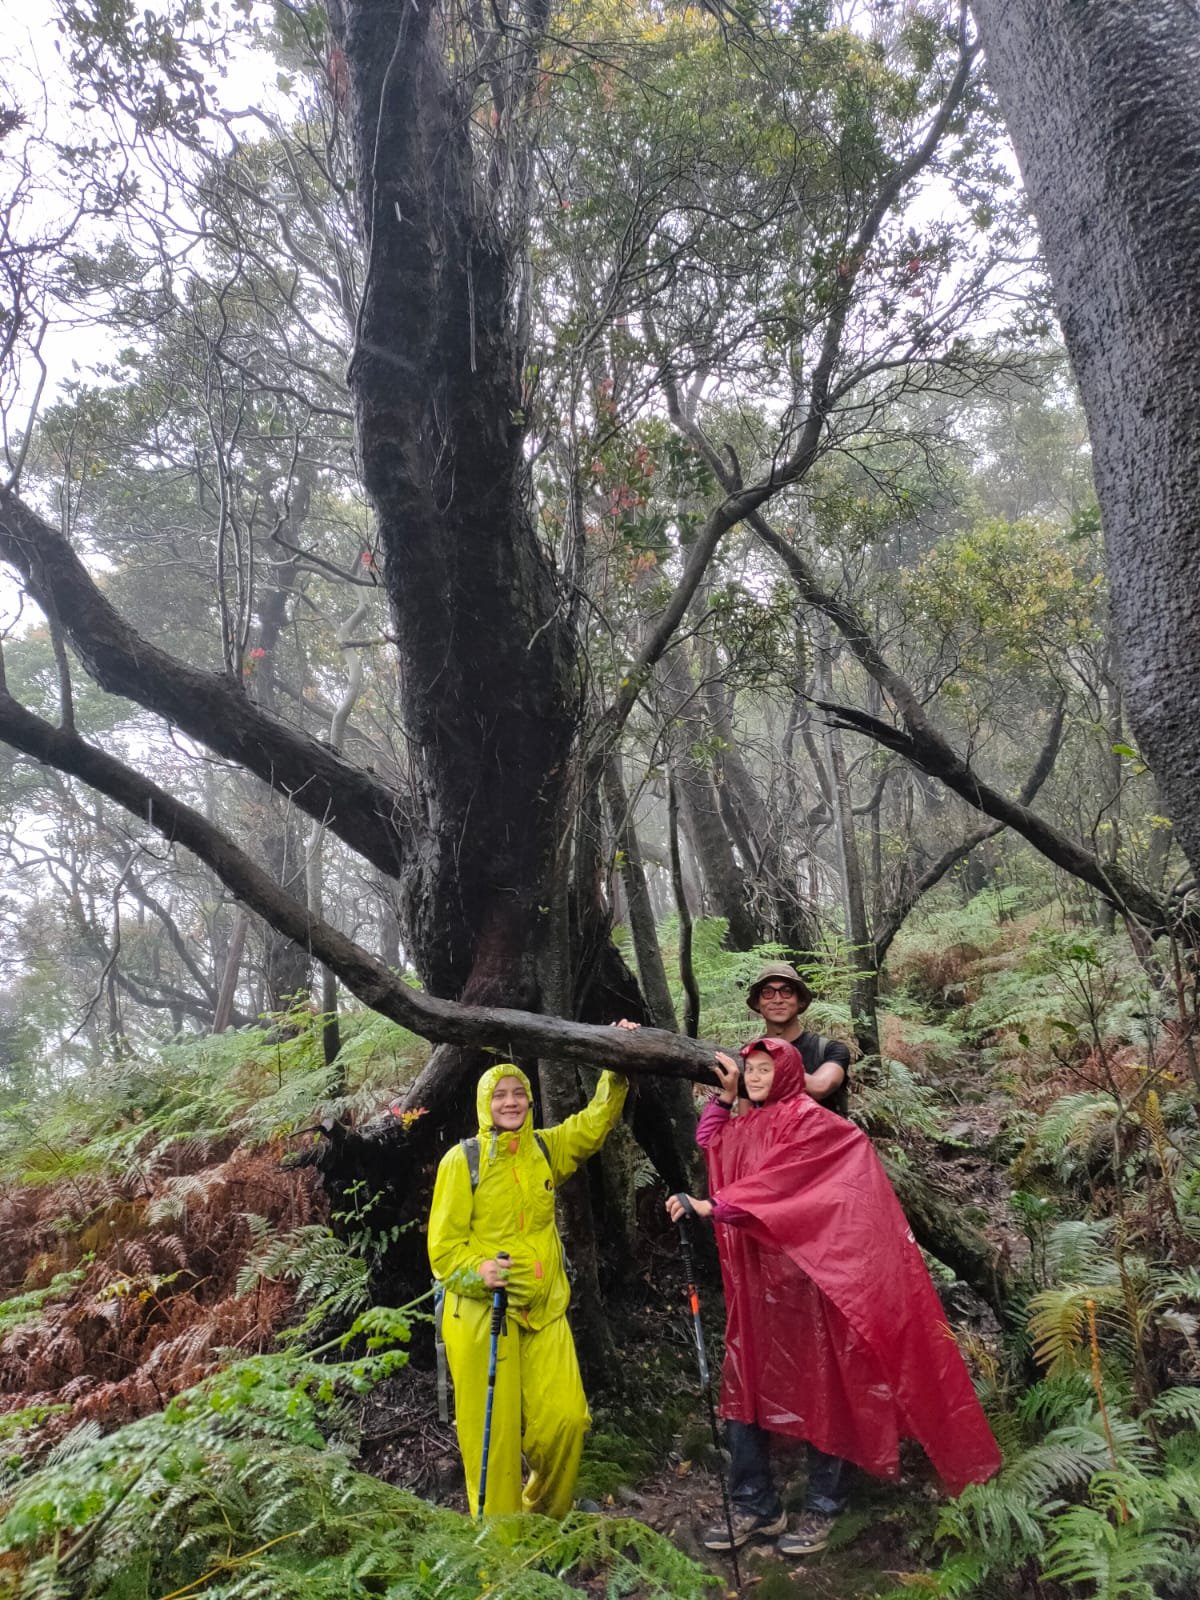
x: 712, y: 1119
x: 732, y: 1216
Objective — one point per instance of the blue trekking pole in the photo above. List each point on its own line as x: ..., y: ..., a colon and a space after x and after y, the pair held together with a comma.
x: 499, y: 1306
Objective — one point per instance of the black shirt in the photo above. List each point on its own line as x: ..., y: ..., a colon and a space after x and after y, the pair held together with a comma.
x: 815, y: 1052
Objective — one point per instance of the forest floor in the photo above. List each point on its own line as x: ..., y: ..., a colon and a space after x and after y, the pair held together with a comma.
x: 878, y: 1539
x: 153, y: 1244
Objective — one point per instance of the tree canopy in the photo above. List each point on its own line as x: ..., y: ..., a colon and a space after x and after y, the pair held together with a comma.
x: 498, y: 421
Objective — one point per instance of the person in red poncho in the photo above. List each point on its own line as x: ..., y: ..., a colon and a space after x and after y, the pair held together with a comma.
x: 834, y: 1332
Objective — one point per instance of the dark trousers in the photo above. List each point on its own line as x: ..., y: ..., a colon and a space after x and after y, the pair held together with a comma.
x: 752, y: 1488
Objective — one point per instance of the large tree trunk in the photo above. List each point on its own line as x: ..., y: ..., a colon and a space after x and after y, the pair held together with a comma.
x: 774, y: 867
x: 487, y: 682
x: 223, y: 1012
x: 287, y: 967
x: 864, y: 985
x: 1101, y: 103
x: 724, y: 877
x: 1113, y: 776
x: 651, y: 972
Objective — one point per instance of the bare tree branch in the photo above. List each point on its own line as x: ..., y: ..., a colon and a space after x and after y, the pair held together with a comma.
x: 508, y: 1031
x: 893, y: 919
x: 928, y: 750
x: 205, y: 705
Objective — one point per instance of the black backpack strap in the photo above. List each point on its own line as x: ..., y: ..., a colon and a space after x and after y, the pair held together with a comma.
x: 545, y: 1149
x: 470, y: 1149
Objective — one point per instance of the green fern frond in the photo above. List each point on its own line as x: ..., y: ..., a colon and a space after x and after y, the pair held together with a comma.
x: 1065, y: 1397
x: 289, y: 1106
x: 959, y: 1577
x: 230, y: 1492
x: 997, y: 1519
x: 1118, y: 1557
x: 1134, y: 1450
x: 1180, y: 1404
x: 1080, y: 1250
x: 1058, y: 1323
x: 894, y: 1101
x: 22, y: 1310
x: 1071, y: 1123
x: 1064, y: 1460
x: 330, y: 1279
x: 1181, y: 1287
x: 78, y: 1442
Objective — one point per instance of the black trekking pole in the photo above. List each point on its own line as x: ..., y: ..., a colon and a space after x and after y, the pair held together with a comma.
x: 499, y: 1306
x: 689, y: 1269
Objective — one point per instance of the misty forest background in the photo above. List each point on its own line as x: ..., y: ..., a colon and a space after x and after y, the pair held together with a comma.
x: 510, y: 518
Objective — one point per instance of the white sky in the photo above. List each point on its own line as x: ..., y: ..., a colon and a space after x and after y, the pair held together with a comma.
x: 35, y: 78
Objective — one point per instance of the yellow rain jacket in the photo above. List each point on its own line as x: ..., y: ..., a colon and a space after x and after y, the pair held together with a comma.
x: 539, y: 1407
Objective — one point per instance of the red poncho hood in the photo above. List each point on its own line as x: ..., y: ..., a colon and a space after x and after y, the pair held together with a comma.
x: 788, y: 1081
x: 836, y: 1333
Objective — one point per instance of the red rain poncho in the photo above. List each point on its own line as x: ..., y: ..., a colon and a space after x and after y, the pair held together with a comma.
x: 835, y: 1333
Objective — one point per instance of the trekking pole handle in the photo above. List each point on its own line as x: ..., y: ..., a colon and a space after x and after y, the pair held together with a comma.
x: 693, y: 1294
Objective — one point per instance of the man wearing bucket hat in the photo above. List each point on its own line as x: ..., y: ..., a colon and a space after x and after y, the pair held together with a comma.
x: 781, y: 997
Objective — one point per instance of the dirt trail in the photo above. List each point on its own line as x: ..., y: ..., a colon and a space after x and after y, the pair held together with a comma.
x: 405, y: 1443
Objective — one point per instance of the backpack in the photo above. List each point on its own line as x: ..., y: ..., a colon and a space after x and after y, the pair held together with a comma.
x: 470, y: 1149
x: 839, y: 1101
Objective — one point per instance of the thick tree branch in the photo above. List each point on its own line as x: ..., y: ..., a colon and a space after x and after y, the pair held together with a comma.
x: 893, y: 919
x: 932, y: 754
x: 207, y: 706
x: 167, y: 997
x: 513, y: 1033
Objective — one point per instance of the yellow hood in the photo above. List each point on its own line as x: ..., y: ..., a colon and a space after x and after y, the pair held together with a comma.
x: 486, y: 1088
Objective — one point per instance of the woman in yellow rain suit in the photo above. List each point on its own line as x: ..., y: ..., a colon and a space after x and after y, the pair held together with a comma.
x: 539, y: 1407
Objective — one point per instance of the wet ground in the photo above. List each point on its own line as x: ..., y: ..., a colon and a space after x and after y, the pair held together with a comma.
x: 879, y: 1539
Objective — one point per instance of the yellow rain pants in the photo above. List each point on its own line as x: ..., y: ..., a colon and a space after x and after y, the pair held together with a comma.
x: 539, y: 1407
x: 539, y: 1411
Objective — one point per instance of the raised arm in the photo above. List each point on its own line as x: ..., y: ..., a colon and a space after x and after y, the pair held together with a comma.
x: 716, y: 1113
x: 580, y: 1136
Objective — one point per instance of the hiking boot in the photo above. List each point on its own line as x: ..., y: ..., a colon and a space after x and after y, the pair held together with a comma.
x: 811, y: 1534
x: 746, y: 1525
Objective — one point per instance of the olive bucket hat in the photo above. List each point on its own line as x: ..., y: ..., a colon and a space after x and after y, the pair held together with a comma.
x: 782, y: 973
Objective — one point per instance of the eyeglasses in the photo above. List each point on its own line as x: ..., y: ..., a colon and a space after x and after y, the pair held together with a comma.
x: 777, y: 989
